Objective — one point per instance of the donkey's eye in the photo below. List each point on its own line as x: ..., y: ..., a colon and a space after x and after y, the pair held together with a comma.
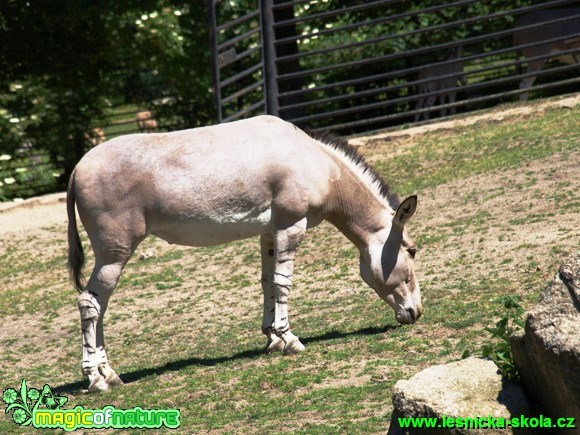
x: 412, y: 251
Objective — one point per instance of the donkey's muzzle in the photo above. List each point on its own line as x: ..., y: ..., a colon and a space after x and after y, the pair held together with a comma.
x: 410, y: 316
x: 414, y: 314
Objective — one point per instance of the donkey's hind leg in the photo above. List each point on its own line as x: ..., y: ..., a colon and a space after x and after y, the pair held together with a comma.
x: 113, y: 246
x: 112, y: 273
x: 92, y: 305
x: 534, y: 66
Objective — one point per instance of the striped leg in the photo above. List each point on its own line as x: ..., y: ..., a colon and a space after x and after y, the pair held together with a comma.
x: 111, y: 378
x: 275, y: 343
x: 286, y: 243
x: 90, y: 310
x: 92, y: 305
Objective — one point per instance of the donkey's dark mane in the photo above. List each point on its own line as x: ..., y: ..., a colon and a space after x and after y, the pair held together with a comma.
x: 340, y: 144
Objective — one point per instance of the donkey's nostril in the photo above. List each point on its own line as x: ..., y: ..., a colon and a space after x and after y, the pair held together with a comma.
x: 413, y: 314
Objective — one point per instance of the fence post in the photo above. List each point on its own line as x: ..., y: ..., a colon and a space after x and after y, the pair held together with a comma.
x: 215, y: 58
x: 285, y: 12
x: 269, y: 57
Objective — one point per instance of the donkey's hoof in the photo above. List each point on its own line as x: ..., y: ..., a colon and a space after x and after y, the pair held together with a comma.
x: 98, y: 385
x: 110, y: 376
x: 294, y: 347
x: 113, y: 379
x: 276, y: 344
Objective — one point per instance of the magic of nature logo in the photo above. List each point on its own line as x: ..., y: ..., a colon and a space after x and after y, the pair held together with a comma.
x: 43, y: 409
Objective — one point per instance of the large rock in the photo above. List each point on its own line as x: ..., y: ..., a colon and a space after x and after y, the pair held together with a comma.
x: 547, y: 353
x: 468, y: 388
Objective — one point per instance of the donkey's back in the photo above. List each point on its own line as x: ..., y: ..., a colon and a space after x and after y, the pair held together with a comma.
x: 560, y: 35
x: 202, y: 186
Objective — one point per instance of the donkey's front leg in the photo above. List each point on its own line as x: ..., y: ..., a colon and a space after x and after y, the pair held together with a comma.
x: 286, y: 243
x: 274, y: 343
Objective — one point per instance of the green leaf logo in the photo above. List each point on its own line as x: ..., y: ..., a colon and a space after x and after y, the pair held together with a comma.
x: 24, y: 404
x: 51, y: 400
x: 9, y: 396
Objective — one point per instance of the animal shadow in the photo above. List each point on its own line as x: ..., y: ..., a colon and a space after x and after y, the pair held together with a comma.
x: 136, y: 375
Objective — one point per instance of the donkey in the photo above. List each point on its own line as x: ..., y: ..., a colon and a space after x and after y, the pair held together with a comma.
x: 566, y: 32
x: 211, y: 185
x: 440, y: 82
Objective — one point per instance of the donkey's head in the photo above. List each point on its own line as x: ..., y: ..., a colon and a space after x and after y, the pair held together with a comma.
x: 386, y: 265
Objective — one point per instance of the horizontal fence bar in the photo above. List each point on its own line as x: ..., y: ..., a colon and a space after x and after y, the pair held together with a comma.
x: 438, y: 27
x: 231, y: 42
x: 423, y: 11
x: 240, y: 56
x: 243, y: 19
x: 393, y: 117
x: 241, y: 75
x: 329, y: 14
x: 394, y: 102
x: 291, y: 3
x: 252, y: 108
x: 418, y: 51
x: 403, y: 72
x: 242, y: 92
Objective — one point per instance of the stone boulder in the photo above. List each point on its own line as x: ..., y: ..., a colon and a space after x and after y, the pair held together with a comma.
x: 468, y: 388
x: 547, y: 353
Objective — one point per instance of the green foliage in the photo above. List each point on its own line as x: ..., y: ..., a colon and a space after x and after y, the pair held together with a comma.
x: 168, y: 57
x: 65, y: 63
x: 24, y: 176
x: 499, y: 349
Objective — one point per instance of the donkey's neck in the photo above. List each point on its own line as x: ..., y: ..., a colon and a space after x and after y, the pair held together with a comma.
x: 360, y: 203
x: 357, y: 209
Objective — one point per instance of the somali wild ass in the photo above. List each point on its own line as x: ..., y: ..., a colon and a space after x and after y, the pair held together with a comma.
x: 439, y: 81
x: 566, y: 34
x: 212, y: 185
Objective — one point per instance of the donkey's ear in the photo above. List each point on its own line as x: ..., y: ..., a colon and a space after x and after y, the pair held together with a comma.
x: 405, y: 211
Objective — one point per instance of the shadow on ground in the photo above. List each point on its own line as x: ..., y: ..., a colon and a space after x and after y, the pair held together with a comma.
x: 129, y: 377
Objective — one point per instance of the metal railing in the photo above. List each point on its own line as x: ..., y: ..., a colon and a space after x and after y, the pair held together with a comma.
x: 329, y: 67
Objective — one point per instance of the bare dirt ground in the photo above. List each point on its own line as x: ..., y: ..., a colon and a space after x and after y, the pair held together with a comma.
x: 33, y: 213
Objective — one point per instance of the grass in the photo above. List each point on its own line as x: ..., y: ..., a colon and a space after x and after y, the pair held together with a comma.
x: 440, y: 158
x: 496, y: 216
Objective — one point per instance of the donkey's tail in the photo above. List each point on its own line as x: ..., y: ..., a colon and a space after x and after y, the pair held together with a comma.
x: 76, y: 256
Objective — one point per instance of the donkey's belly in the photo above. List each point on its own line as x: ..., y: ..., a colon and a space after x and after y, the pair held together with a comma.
x: 212, y: 231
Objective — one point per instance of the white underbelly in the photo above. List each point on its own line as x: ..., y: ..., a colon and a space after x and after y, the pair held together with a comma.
x: 215, y: 230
